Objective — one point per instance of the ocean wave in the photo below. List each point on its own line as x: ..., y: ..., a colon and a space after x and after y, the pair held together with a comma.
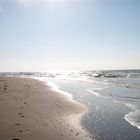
x: 96, y: 92
x: 79, y: 74
x: 93, y: 92
x: 133, y: 116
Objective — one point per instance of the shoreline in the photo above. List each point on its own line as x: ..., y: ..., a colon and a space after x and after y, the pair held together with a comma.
x: 33, y: 110
x: 105, y: 118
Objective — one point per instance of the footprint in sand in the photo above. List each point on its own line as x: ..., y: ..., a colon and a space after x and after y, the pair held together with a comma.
x: 25, y: 103
x: 77, y: 134
x: 5, y: 87
x: 21, y: 107
x: 46, y: 124
x: 17, y: 123
x: 27, y: 130
x: 91, y: 137
x: 20, y: 113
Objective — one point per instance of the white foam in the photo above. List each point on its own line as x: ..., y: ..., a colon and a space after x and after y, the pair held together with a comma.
x: 54, y: 87
x: 93, y: 92
x: 133, y: 116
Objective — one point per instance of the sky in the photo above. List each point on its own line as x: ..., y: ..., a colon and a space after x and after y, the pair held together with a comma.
x: 55, y: 35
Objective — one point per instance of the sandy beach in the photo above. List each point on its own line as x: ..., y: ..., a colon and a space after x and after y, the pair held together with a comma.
x: 31, y: 110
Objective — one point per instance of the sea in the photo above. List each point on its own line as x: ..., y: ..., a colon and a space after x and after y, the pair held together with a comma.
x: 113, y: 99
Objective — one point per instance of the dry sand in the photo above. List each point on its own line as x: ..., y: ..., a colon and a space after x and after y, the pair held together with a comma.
x: 30, y: 110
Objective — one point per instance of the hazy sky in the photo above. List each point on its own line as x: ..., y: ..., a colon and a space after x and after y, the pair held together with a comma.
x: 41, y: 35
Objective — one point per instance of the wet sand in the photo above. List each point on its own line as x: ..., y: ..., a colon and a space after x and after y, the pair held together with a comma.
x: 31, y: 110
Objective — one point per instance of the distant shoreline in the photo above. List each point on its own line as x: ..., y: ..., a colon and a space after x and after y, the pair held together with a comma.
x: 72, y: 70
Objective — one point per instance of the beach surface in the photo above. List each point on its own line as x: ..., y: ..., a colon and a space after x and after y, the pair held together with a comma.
x: 31, y: 110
